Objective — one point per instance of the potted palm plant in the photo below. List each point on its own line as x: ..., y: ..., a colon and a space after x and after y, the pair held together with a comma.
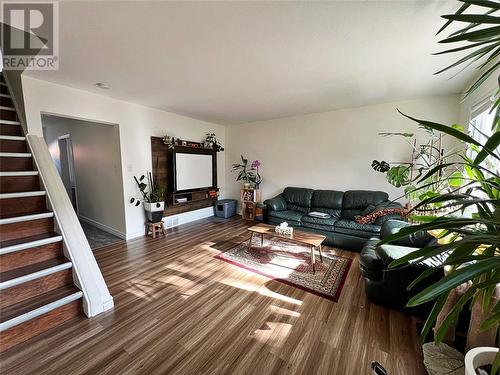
x: 153, y: 197
x: 470, y: 227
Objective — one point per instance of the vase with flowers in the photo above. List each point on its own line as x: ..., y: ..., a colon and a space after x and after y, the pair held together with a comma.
x: 255, y: 175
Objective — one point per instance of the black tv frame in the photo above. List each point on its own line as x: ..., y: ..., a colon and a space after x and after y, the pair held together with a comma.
x: 193, y: 150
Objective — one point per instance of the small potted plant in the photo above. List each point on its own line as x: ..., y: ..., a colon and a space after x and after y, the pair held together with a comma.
x: 153, y: 197
x: 212, y: 142
x: 244, y: 174
x: 169, y: 141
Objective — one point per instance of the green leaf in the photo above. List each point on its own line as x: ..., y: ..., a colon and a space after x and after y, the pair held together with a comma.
x: 496, y: 308
x: 380, y: 166
x: 456, y: 179
x: 422, y: 218
x: 468, y: 46
x: 424, y: 275
x: 459, y: 11
x: 431, y: 318
x: 491, y: 144
x: 439, y: 223
x: 496, y: 364
x: 399, y: 175
x: 472, y: 18
x: 481, y: 52
x: 477, y: 35
x: 490, y: 323
x: 429, y: 252
x: 444, y: 129
x: 482, y: 3
x: 452, y: 316
x: 453, y: 280
x: 439, y: 198
x: 481, y: 79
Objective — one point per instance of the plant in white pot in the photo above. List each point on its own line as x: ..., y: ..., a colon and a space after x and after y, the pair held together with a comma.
x: 153, y: 196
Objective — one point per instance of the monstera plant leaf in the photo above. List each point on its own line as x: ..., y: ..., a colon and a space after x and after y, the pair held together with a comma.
x: 380, y: 166
x: 399, y: 175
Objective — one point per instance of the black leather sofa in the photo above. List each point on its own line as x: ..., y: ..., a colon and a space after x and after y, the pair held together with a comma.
x: 341, y: 230
x: 388, y: 287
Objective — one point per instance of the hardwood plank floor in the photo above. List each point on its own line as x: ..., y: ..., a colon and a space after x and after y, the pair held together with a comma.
x: 180, y: 311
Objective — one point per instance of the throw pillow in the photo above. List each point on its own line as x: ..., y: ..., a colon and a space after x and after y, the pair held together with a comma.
x: 370, y: 218
x: 368, y: 210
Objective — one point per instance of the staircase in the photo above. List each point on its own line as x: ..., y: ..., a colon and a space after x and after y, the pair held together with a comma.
x: 37, y: 292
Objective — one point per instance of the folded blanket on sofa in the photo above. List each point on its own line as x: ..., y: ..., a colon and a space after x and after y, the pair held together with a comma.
x: 320, y: 215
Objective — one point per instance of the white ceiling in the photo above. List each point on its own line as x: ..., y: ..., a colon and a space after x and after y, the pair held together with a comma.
x: 235, y: 62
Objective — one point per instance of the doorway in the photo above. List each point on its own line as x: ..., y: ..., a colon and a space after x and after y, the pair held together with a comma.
x: 68, y: 168
x: 87, y: 156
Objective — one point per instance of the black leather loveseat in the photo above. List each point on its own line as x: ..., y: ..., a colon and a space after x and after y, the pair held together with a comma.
x: 341, y: 229
x: 388, y: 286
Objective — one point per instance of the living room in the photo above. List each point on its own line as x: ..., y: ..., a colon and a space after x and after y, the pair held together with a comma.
x: 282, y: 173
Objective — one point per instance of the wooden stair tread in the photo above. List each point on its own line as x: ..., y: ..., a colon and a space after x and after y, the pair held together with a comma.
x: 18, y: 272
x: 36, y: 302
x: 19, y: 241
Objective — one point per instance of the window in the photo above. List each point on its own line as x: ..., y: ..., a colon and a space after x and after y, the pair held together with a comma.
x: 480, y: 127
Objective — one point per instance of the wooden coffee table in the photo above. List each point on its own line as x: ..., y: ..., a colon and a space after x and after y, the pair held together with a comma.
x: 312, y: 240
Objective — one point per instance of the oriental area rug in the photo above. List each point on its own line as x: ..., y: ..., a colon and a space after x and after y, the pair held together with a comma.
x: 290, y: 263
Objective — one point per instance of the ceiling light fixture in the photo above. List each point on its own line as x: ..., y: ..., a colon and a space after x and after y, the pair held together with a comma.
x: 102, y: 85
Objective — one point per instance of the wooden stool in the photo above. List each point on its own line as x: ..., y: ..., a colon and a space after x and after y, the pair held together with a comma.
x: 155, y: 229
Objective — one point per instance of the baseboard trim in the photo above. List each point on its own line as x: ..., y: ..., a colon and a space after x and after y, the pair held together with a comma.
x: 187, y: 217
x: 179, y: 219
x: 103, y: 227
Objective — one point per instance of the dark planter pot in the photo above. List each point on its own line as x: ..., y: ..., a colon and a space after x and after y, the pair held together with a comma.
x: 154, y: 214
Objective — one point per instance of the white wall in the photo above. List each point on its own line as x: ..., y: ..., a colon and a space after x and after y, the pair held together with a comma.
x: 98, y: 170
x: 136, y: 125
x: 332, y: 150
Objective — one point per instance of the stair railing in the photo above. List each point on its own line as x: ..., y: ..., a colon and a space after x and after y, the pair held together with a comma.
x: 87, y: 275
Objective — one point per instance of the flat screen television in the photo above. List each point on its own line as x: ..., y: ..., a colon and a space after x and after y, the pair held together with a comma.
x: 193, y: 171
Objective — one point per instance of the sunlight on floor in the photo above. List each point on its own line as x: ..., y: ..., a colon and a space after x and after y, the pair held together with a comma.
x: 141, y: 288
x: 186, y: 287
x: 262, y: 290
x: 283, y: 311
x: 274, y: 333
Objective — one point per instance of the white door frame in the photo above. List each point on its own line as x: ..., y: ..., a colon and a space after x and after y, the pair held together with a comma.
x: 71, y: 165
